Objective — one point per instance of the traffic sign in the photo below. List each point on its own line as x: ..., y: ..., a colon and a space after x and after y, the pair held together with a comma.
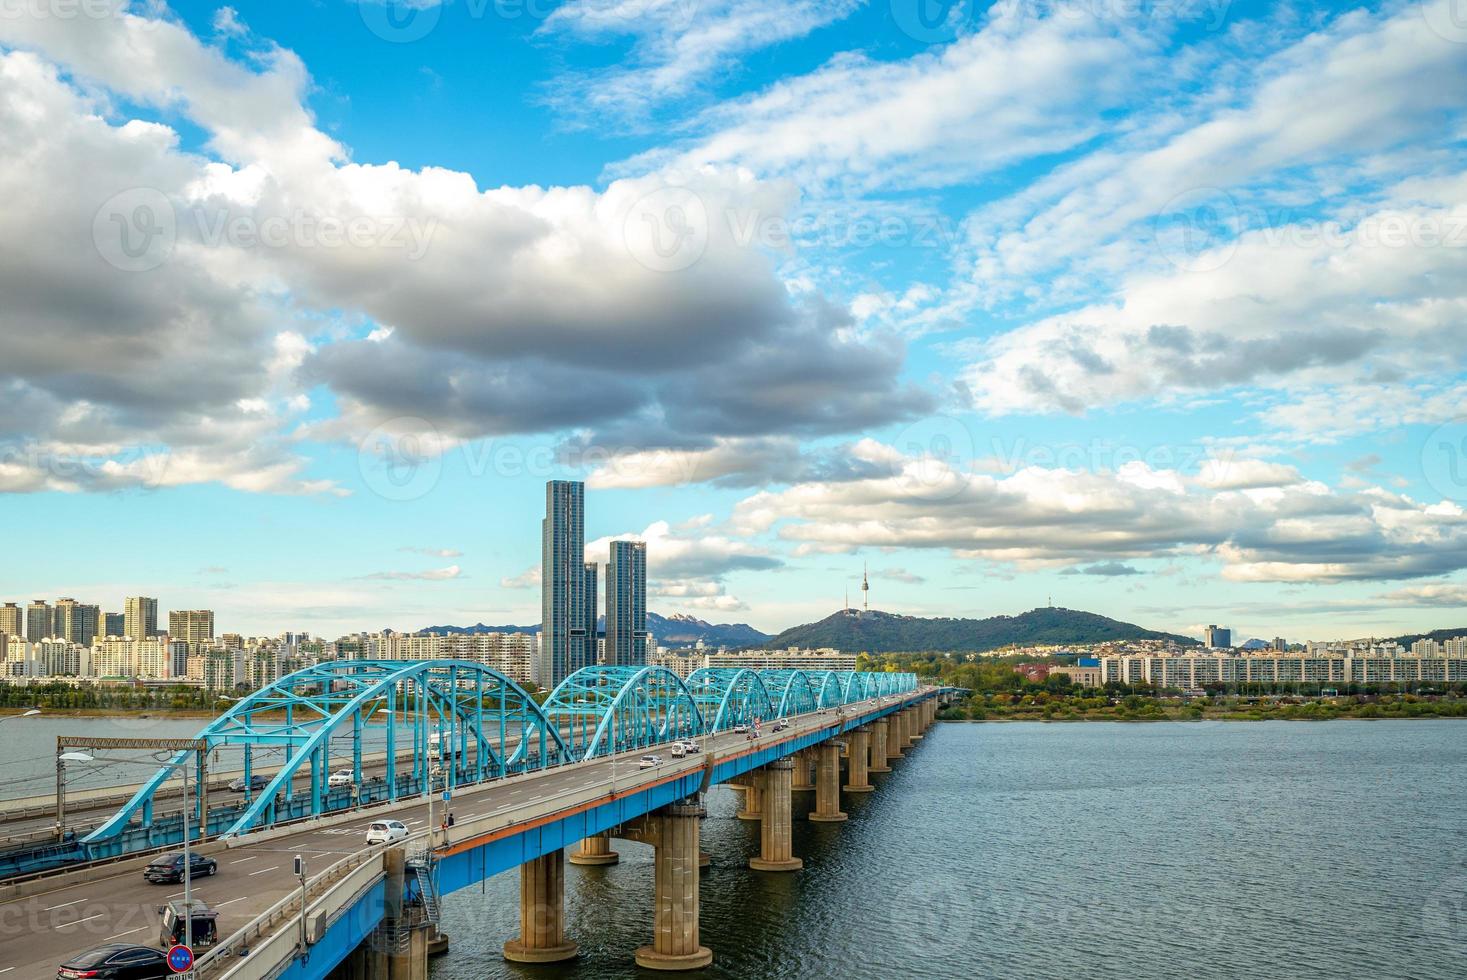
x: 180, y: 959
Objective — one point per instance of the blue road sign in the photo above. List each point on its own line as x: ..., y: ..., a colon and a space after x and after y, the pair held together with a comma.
x: 180, y: 959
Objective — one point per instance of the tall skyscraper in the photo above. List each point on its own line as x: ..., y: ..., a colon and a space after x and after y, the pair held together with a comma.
x: 11, y: 622
x: 140, y: 617
x: 38, y: 620
x: 112, y: 624
x: 626, y: 604
x: 1219, y: 637
x: 591, y: 611
x: 191, y: 625
x: 563, y: 640
x: 75, y: 621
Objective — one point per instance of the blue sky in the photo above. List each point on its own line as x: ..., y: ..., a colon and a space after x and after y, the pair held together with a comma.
x: 1156, y: 308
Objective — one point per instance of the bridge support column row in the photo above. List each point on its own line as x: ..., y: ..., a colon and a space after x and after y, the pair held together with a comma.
x: 894, y: 741
x: 776, y: 851
x: 542, y: 916
x: 914, y: 714
x: 827, y: 784
x: 858, y: 748
x: 594, y: 851
x: 753, y: 807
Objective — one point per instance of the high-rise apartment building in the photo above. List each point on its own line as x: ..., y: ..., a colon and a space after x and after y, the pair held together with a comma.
x: 75, y: 621
x: 1219, y: 638
x: 591, y: 612
x: 626, y: 603
x: 11, y: 621
x: 38, y: 620
x: 140, y: 618
x: 191, y: 625
x: 112, y: 624
x: 564, y: 643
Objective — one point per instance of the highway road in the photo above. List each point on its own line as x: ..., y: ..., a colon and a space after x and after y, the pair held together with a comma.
x: 38, y: 932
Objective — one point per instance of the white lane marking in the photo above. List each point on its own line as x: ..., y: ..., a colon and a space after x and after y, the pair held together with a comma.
x: 243, y: 860
x: 263, y: 870
x: 119, y: 935
x: 80, y: 921
x: 63, y: 905
x: 7, y: 969
x: 230, y: 902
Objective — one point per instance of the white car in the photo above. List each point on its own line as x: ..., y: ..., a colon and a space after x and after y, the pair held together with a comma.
x: 341, y: 777
x: 691, y: 747
x: 678, y: 750
x: 741, y: 729
x: 386, y: 831
x: 649, y: 762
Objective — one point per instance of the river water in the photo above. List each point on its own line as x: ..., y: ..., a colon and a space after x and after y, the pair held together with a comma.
x: 1088, y: 850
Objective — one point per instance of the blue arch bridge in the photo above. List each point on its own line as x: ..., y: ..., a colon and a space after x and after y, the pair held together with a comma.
x: 340, y: 745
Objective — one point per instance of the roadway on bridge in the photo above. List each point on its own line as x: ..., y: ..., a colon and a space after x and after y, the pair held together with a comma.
x: 39, y: 932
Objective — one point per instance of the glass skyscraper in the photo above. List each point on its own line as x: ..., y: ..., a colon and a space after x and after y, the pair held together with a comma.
x: 626, y: 603
x: 563, y: 639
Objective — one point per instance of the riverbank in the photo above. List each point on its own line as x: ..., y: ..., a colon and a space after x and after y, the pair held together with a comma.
x: 1002, y: 707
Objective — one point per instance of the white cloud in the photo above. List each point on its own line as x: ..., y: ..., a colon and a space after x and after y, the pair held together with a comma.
x: 528, y: 579
x: 431, y: 575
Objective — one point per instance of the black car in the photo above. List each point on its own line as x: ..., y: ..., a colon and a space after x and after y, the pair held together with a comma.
x: 257, y: 783
x: 169, y: 867
x: 117, y: 961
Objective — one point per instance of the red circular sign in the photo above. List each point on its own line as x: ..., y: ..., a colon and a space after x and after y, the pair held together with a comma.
x: 180, y: 959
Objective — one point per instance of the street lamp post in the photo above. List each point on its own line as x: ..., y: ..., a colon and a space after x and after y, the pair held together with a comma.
x: 188, y: 867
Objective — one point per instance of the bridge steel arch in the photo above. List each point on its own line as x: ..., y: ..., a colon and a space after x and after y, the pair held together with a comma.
x: 630, y: 708
x: 731, y: 696
x: 475, y: 718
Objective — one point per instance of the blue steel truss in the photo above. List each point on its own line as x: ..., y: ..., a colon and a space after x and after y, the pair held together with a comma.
x: 460, y: 720
x: 605, y: 710
x: 731, y: 696
x: 446, y: 723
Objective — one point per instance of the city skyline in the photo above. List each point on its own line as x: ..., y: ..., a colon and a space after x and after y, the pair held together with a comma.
x: 1161, y: 318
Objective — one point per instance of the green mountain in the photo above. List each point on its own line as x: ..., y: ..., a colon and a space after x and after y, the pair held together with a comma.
x: 1438, y: 635
x: 880, y: 632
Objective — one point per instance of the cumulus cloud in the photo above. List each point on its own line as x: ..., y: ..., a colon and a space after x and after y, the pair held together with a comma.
x: 432, y: 552
x: 1108, y: 569
x: 1045, y: 517
x: 528, y: 579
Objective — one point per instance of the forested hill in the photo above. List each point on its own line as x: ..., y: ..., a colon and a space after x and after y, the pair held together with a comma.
x: 880, y: 632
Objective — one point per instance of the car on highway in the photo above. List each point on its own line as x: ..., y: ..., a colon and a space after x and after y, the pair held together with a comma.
x: 649, y: 762
x: 386, y: 831
x: 116, y: 961
x: 678, y: 750
x: 780, y: 725
x: 741, y: 729
x: 690, y: 747
x: 341, y: 777
x: 168, y: 868
x: 257, y: 783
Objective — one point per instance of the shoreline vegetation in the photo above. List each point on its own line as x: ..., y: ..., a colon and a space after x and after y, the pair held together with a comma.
x: 1001, y: 694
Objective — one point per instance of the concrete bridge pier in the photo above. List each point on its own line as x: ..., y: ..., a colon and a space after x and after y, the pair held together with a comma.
x: 673, y: 833
x: 827, y: 784
x: 859, y: 747
x: 776, y: 849
x: 915, y: 716
x: 802, y: 781
x: 879, y: 728
x: 752, y: 808
x: 594, y: 850
x: 894, y: 741
x: 542, y: 913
